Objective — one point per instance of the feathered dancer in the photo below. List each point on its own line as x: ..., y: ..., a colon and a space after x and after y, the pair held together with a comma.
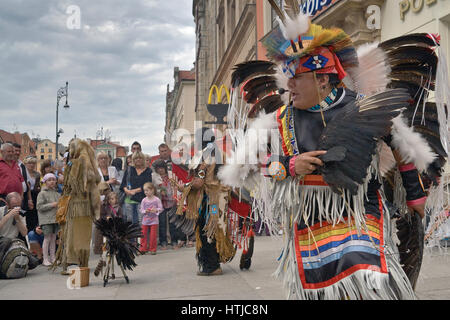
x: 120, y: 240
x: 341, y: 120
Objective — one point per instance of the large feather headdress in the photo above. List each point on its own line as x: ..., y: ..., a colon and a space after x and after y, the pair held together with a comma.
x: 300, y: 46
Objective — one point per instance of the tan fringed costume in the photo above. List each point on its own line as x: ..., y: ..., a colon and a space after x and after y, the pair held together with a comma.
x: 208, y: 205
x: 81, y: 179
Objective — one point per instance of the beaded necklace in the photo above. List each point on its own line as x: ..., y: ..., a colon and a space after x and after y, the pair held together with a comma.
x: 326, y: 103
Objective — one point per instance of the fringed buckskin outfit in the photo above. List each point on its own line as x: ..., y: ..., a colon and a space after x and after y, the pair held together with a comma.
x: 336, y: 222
x: 81, y: 179
x: 208, y: 206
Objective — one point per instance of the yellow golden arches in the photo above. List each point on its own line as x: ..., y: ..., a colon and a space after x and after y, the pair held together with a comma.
x: 218, y: 93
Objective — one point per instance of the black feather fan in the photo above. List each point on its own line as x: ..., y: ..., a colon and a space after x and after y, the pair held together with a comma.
x: 415, y: 39
x: 257, y: 88
x: 187, y: 226
x: 413, y: 61
x: 244, y: 71
x: 121, y: 240
x: 351, y: 138
x: 269, y: 104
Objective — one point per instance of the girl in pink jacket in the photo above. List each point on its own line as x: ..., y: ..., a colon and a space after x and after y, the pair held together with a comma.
x: 151, y: 207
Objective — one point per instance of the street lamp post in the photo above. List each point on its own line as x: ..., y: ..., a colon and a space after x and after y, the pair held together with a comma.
x: 62, y: 92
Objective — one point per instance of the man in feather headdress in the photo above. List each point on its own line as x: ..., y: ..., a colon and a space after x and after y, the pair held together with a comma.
x: 82, y: 206
x: 338, y: 239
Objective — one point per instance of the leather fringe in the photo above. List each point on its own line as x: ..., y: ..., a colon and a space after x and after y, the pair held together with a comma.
x: 224, y: 246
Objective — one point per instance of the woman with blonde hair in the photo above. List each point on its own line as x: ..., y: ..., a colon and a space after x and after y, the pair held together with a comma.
x: 108, y: 173
x: 133, y: 182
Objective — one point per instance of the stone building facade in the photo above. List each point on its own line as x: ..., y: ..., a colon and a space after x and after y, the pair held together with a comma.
x: 180, y: 105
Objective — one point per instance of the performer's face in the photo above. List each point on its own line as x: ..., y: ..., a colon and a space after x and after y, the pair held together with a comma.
x: 304, y: 90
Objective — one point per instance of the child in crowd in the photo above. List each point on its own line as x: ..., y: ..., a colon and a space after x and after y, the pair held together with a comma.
x: 151, y: 207
x: 47, y: 202
x: 112, y: 207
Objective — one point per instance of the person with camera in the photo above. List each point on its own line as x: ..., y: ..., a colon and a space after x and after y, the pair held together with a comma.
x: 13, y: 224
x: 12, y: 217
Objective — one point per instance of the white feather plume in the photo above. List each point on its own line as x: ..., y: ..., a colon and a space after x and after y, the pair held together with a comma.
x: 238, y: 167
x: 412, y: 147
x: 371, y: 76
x: 293, y: 28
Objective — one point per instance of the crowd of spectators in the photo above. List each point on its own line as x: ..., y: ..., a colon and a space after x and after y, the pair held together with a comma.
x: 28, y: 199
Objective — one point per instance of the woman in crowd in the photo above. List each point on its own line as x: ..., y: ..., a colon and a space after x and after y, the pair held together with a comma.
x: 35, y: 235
x: 166, y: 194
x: 33, y: 179
x: 132, y: 185
x: 108, y: 173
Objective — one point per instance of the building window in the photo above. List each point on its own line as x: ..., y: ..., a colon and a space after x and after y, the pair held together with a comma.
x: 42, y: 157
x: 42, y: 150
x: 50, y: 150
x: 46, y: 144
x: 49, y: 157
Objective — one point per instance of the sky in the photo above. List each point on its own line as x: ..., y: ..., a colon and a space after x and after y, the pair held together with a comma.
x: 118, y: 57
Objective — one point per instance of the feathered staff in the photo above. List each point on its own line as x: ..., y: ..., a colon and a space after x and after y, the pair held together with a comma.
x: 120, y: 240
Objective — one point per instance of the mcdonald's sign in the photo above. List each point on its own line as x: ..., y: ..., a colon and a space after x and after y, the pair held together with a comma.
x: 219, y: 109
x: 218, y: 93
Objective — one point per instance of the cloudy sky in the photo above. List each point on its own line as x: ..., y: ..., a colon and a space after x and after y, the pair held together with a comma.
x: 118, y: 57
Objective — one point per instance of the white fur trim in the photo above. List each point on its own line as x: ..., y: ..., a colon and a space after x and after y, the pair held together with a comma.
x: 411, y: 145
x: 239, y: 168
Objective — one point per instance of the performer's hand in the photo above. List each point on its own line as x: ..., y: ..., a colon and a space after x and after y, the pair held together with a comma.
x: 307, y: 162
x: 420, y: 208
